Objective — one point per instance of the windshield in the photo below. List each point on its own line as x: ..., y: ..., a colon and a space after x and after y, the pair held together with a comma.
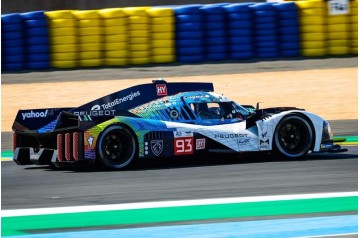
x: 220, y: 111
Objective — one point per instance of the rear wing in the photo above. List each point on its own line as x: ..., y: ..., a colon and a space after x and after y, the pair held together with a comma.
x: 115, y: 104
x: 33, y: 119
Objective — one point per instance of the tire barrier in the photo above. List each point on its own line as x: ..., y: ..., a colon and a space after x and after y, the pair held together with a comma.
x: 289, y: 33
x: 13, y: 42
x: 115, y: 39
x: 191, y: 33
x: 353, y: 22
x: 266, y: 30
x: 215, y: 28
x: 162, y: 35
x: 313, y: 28
x: 139, y: 35
x: 63, y: 39
x: 240, y: 31
x: 189, y: 28
x: 37, y: 40
x: 89, y: 35
x: 338, y: 35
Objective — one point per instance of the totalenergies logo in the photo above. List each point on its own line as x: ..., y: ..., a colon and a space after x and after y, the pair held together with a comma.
x: 118, y: 101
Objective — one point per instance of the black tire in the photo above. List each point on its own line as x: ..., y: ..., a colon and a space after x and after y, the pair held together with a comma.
x: 116, y: 147
x: 293, y: 137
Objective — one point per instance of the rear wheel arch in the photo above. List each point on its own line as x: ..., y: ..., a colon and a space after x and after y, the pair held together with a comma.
x: 125, y: 131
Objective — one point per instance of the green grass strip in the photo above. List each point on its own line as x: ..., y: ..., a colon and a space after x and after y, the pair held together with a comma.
x: 6, y: 153
x: 20, y: 225
x: 351, y: 138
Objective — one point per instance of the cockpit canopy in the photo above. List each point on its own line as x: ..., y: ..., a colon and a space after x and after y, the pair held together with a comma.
x: 219, y: 110
x: 203, y: 108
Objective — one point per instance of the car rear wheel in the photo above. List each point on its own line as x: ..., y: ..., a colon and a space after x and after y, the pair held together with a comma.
x: 293, y: 137
x: 116, y: 147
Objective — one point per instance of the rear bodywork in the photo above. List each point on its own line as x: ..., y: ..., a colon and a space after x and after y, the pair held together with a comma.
x: 162, y: 118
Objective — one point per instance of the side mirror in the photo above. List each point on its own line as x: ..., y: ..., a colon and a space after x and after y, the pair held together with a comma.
x: 258, y: 106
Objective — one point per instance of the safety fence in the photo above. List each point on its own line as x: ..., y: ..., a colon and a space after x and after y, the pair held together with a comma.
x: 187, y: 34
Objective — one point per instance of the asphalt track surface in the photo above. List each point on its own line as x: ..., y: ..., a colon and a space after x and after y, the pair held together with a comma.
x: 183, y: 178
x: 186, y: 178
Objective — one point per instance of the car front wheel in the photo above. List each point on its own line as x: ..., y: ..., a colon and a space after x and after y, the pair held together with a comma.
x: 293, y: 137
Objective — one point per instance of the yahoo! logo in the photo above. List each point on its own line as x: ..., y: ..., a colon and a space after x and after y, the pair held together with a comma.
x: 33, y: 114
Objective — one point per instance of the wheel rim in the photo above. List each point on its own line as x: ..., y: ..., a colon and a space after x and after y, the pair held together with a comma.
x: 294, y: 137
x: 117, y: 147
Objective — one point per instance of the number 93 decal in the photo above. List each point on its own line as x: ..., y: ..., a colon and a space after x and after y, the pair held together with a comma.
x: 184, y: 146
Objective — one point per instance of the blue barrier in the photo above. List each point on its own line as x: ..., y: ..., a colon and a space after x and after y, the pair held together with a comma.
x: 215, y: 24
x: 13, y: 42
x: 189, y: 29
x: 289, y: 33
x: 36, y: 28
x: 265, y: 30
x: 240, y: 31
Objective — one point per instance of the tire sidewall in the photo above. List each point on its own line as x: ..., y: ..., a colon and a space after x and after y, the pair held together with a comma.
x: 278, y: 145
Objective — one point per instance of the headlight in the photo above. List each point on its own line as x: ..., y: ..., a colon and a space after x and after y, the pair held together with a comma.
x: 327, y: 133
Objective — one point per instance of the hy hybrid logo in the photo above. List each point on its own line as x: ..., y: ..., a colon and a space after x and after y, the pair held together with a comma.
x: 32, y: 114
x: 161, y: 89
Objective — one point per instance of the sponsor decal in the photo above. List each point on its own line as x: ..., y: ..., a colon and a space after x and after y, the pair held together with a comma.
x: 263, y: 135
x: 338, y: 7
x: 200, y: 144
x: 264, y: 144
x: 244, y: 141
x: 85, y: 118
x: 118, y: 101
x: 95, y: 108
x: 183, y: 134
x: 174, y: 114
x: 227, y: 136
x: 197, y: 97
x: 96, y: 113
x: 32, y: 114
x: 35, y: 157
x: 90, y: 141
x: 157, y: 147
x: 184, y: 146
x: 161, y: 89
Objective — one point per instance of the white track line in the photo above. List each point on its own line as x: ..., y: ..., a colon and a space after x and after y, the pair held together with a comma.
x: 162, y: 204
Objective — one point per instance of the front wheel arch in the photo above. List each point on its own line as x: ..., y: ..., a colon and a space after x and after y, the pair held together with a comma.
x: 311, y: 125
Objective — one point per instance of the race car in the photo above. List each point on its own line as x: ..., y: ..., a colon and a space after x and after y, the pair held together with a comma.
x: 162, y: 119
